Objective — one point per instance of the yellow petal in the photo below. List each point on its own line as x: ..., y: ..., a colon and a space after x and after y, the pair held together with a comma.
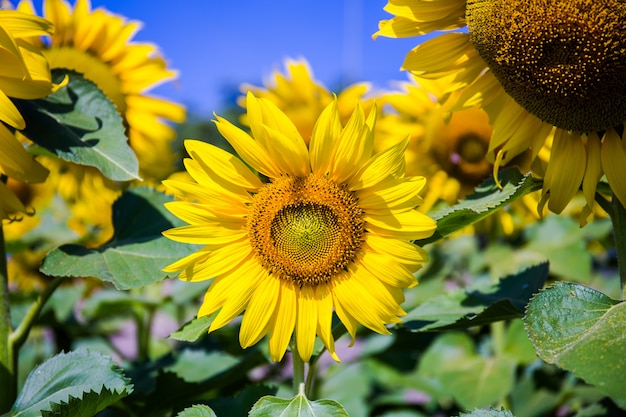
x: 409, y: 225
x: 218, y: 262
x: 594, y: 172
x: 325, y: 318
x: 388, y: 163
x: 248, y: 149
x: 283, y: 322
x: 392, y: 193
x: 306, y: 323
x: 261, y: 308
x: 565, y: 170
x: 613, y: 155
x: 383, y: 267
x: 325, y: 134
x: 224, y: 164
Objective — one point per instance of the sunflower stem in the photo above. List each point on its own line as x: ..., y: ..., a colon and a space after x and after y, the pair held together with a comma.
x: 618, y: 217
x: 8, y: 380
x: 298, y: 368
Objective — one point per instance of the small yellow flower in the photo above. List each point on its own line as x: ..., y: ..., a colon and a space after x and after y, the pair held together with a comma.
x: 24, y: 75
x: 541, y: 70
x: 330, y: 231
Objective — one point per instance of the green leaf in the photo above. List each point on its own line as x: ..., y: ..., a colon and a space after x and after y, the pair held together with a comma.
x: 78, y: 123
x: 137, y: 252
x: 472, y: 379
x: 61, y: 384
x: 193, y: 330
x: 581, y: 330
x: 197, y: 411
x: 199, y: 365
x: 299, y: 405
x: 486, y: 199
x: 488, y: 413
x: 480, y: 305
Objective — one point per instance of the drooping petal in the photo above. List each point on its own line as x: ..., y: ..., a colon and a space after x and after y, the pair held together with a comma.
x: 261, y: 308
x: 283, y: 322
x: 613, y: 156
x: 306, y: 324
x: 324, y: 318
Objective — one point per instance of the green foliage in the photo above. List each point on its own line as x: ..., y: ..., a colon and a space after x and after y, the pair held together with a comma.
x: 487, y: 199
x: 137, y: 252
x: 480, y: 304
x: 296, y: 406
x: 488, y: 413
x: 193, y: 330
x: 78, y: 123
x: 197, y: 411
x: 77, y: 384
x: 581, y: 330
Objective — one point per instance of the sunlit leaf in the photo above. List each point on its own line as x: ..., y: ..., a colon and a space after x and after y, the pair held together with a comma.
x: 486, y: 199
x: 475, y: 306
x: 197, y: 411
x: 581, y: 330
x: 193, y: 330
x: 77, y: 384
x: 78, y: 123
x: 137, y: 252
x: 297, y: 406
x: 488, y: 413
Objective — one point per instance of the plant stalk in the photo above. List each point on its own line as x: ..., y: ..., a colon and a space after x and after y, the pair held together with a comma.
x: 618, y: 217
x: 298, y: 368
x: 8, y: 380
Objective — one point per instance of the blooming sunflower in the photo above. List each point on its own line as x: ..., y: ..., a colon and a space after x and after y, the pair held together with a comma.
x: 541, y: 69
x: 330, y: 231
x: 24, y: 74
x: 297, y: 94
x: 99, y: 45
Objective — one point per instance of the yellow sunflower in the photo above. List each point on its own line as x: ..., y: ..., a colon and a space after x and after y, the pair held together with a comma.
x: 99, y: 44
x: 330, y: 231
x: 540, y: 69
x: 24, y: 74
x: 297, y: 94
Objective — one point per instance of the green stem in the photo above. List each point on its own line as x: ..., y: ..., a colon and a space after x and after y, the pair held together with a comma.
x: 618, y: 216
x: 21, y: 333
x: 298, y: 368
x: 310, y: 376
x: 8, y: 378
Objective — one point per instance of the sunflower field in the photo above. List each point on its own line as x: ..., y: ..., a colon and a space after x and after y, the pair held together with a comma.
x: 454, y: 245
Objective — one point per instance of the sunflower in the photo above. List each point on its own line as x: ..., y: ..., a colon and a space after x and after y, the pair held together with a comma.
x: 297, y: 94
x: 330, y: 230
x: 99, y: 44
x: 541, y: 70
x: 24, y: 75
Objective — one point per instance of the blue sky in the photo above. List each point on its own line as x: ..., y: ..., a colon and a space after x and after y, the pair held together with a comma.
x: 219, y: 44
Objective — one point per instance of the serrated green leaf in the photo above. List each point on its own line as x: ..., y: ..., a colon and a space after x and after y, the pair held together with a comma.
x: 89, y: 405
x: 193, y: 330
x: 486, y: 199
x: 137, y: 252
x: 488, y: 413
x: 581, y: 330
x: 470, y: 307
x: 78, y: 123
x: 59, y: 383
x: 299, y: 405
x: 197, y: 411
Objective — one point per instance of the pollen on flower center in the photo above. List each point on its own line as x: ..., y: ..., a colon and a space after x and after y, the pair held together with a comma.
x: 562, y: 60
x: 305, y: 229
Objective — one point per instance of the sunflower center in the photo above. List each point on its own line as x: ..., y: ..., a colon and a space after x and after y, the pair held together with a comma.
x: 562, y: 60
x: 305, y: 229
x: 92, y: 68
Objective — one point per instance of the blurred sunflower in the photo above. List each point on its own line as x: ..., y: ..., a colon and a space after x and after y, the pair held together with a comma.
x: 331, y: 230
x: 24, y: 74
x: 541, y: 70
x: 302, y: 98
x: 98, y: 44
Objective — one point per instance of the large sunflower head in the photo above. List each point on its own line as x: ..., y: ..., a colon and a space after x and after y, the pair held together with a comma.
x: 330, y: 230
x: 540, y: 69
x: 24, y: 74
x: 302, y: 98
x: 98, y: 44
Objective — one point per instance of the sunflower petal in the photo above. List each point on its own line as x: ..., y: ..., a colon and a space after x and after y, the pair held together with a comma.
x: 613, y: 156
x: 306, y: 324
x: 256, y: 319
x: 283, y: 322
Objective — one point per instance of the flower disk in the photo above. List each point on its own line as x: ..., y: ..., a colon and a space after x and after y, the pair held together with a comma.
x: 561, y: 60
x: 305, y: 229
